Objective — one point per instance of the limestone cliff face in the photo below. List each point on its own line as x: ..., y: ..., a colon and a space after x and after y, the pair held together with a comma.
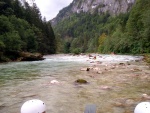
x: 113, y: 7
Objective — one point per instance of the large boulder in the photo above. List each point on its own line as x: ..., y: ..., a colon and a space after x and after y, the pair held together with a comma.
x: 26, y: 56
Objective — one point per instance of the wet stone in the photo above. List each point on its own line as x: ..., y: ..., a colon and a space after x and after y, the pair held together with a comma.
x: 105, y: 88
x: 81, y: 81
x: 118, y: 110
x: 2, y: 105
x: 119, y: 104
x: 29, y: 95
x: 130, y: 102
x: 122, y: 64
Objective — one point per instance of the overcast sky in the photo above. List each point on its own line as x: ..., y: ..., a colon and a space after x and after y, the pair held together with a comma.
x: 50, y: 8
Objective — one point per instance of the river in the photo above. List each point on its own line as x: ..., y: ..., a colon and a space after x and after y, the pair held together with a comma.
x: 116, y: 83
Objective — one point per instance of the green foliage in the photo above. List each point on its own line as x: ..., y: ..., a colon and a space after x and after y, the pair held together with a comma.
x: 26, y: 33
x: 9, y: 37
x: 22, y: 29
x: 11, y: 41
x: 76, y: 51
x: 124, y: 33
x: 5, y: 25
x: 67, y: 47
x: 2, y: 46
x: 101, y: 41
x: 138, y: 26
x: 84, y: 28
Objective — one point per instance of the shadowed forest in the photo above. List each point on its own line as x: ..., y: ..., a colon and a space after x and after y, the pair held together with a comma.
x: 22, y: 28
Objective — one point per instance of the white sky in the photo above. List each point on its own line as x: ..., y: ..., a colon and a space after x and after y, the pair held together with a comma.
x: 50, y: 8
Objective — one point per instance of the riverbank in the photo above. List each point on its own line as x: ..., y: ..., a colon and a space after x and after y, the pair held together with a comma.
x: 14, y: 56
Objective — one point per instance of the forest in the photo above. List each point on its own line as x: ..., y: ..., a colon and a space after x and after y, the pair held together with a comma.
x: 127, y: 33
x: 23, y: 29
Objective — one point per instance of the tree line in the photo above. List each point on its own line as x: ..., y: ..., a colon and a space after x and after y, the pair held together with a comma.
x: 124, y: 33
x: 22, y: 28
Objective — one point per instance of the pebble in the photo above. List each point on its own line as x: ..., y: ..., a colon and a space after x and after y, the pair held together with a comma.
x: 146, y: 96
x: 54, y: 82
x: 105, y: 87
x: 129, y: 102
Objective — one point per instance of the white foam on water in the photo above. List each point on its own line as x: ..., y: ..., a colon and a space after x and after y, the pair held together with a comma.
x: 118, y: 58
x: 99, y: 57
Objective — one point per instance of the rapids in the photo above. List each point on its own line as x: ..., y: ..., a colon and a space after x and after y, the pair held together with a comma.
x: 117, y: 89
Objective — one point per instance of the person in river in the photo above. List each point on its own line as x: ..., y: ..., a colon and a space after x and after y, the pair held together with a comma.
x: 38, y: 106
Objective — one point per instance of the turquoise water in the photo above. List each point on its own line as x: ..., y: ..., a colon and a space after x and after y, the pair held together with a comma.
x: 21, y: 81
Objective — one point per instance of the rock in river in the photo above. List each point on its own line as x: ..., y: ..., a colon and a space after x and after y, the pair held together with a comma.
x: 81, y: 81
x: 26, y: 56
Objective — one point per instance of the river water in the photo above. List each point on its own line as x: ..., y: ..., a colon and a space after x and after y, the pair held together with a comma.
x: 116, y: 83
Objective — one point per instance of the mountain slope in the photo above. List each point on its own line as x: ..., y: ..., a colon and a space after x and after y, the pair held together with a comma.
x: 113, y: 7
x: 105, y: 32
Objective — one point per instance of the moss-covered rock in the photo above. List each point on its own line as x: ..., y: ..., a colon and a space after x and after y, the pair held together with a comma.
x: 26, y: 56
x: 81, y: 81
x: 147, y: 58
x: 20, y: 56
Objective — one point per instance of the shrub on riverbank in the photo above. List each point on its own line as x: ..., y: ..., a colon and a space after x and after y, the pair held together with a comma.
x: 147, y: 58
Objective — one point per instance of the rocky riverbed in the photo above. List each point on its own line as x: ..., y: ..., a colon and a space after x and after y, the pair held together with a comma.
x: 114, y: 83
x: 128, y: 82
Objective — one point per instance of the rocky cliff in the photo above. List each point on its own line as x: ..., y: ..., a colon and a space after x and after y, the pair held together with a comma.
x: 113, y: 7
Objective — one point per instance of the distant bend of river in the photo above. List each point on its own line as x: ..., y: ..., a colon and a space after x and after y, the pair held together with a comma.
x: 116, y: 86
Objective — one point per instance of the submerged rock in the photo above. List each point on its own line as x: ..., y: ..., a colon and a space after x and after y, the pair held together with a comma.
x: 2, y: 105
x: 118, y: 110
x: 105, y: 87
x: 81, y: 81
x: 29, y: 95
x: 85, y: 69
x: 54, y: 82
x: 136, y: 70
x: 124, y: 102
x: 129, y: 102
x: 122, y: 64
x: 99, y: 72
x: 145, y: 97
